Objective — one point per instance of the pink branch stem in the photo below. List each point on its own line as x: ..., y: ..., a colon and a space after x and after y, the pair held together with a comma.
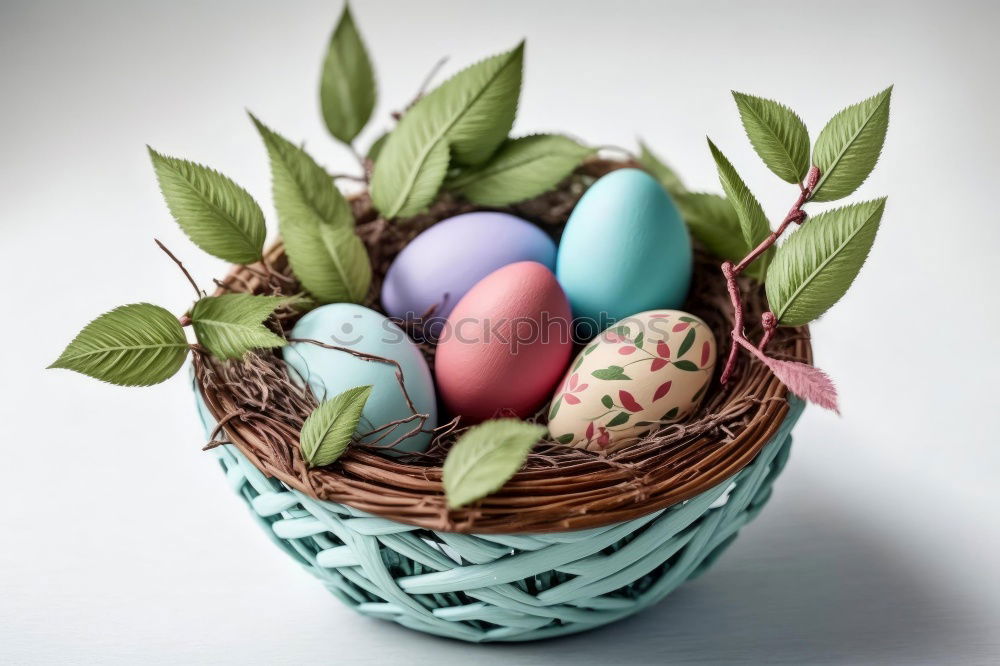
x: 795, y: 216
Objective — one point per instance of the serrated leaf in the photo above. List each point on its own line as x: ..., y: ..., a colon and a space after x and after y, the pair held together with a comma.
x: 778, y: 135
x: 818, y: 263
x: 218, y: 215
x: 347, y: 88
x: 668, y: 178
x: 329, y: 429
x: 470, y: 114
x: 133, y: 345
x: 522, y: 168
x: 316, y: 224
x: 714, y: 222
x: 352, y: 267
x: 485, y: 457
x: 232, y: 324
x: 849, y: 146
x: 753, y: 222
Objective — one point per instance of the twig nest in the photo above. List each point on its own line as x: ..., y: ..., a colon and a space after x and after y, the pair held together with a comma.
x: 649, y: 369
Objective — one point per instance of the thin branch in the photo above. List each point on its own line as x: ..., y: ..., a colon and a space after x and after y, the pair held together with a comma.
x: 373, y: 358
x: 795, y: 216
x: 396, y: 115
x: 177, y: 261
x: 770, y: 323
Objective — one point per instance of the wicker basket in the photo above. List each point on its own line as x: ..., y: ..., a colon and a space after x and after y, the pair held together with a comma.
x: 574, y: 541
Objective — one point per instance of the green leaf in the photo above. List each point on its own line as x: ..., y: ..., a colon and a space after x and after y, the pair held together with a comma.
x: 521, y: 169
x: 352, y: 267
x: 753, y: 222
x: 347, y: 87
x: 848, y: 147
x: 565, y: 439
x: 607, y: 401
x: 329, y: 429
x: 672, y: 414
x: 611, y: 372
x: 470, y: 114
x: 485, y: 457
x: 621, y: 418
x: 639, y: 339
x: 714, y: 222
x: 218, y: 215
x: 316, y: 224
x: 687, y: 366
x: 133, y: 345
x: 778, y: 135
x: 232, y: 324
x: 654, y: 165
x: 686, y: 343
x: 818, y: 263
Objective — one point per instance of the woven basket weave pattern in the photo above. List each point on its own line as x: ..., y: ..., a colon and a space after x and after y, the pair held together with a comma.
x: 506, y: 587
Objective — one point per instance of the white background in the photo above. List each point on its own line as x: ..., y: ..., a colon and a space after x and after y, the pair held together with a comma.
x: 119, y: 540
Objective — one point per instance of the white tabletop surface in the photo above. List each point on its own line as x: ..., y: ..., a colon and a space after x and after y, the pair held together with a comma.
x: 119, y: 541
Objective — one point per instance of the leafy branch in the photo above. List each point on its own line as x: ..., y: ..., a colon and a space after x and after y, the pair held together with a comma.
x: 815, y: 268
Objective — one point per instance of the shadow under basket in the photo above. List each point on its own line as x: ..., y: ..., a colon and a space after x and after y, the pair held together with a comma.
x: 505, y: 587
x: 574, y: 540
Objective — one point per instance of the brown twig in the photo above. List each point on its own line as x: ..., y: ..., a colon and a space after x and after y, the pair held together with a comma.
x: 769, y: 322
x: 396, y: 115
x: 177, y: 261
x: 374, y: 358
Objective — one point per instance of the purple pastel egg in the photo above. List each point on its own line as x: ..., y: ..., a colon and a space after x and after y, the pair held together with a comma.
x: 441, y: 264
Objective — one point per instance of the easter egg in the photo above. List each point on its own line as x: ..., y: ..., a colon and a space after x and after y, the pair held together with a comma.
x: 648, y: 369
x: 505, y: 345
x: 329, y: 371
x: 441, y: 264
x: 625, y: 249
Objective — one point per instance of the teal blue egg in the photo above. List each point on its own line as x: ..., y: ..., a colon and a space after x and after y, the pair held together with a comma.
x: 625, y: 249
x: 329, y: 371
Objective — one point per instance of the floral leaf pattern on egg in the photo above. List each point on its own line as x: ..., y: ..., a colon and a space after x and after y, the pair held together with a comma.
x: 611, y: 372
x: 643, y: 372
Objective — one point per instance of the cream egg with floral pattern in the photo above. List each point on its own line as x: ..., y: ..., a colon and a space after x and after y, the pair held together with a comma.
x: 650, y: 369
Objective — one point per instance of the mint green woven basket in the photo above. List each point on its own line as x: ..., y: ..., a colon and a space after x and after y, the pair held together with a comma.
x: 505, y: 587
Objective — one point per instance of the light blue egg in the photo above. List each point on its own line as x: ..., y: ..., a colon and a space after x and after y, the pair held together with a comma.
x: 625, y: 249
x: 329, y: 372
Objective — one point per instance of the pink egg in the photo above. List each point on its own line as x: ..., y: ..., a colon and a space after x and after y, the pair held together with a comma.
x: 505, y: 345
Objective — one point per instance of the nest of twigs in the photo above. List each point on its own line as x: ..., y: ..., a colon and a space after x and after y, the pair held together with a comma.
x: 260, y: 410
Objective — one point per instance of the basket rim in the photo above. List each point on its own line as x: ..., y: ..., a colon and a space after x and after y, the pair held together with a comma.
x: 590, y: 493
